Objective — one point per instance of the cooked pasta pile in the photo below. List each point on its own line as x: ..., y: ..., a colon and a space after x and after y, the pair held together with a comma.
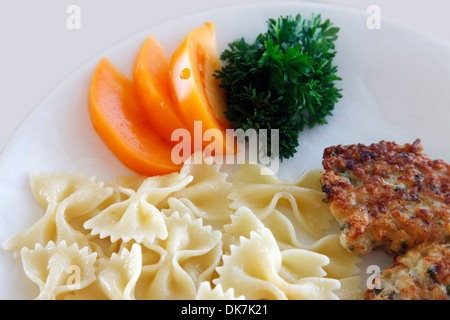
x: 198, y: 234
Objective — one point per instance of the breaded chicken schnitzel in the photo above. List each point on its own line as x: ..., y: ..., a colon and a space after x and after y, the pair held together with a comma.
x: 387, y: 195
x: 422, y: 273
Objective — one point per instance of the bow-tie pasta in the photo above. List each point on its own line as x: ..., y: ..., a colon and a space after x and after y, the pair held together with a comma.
x: 302, y: 205
x: 137, y: 217
x: 205, y: 292
x: 58, y: 269
x: 205, y: 232
x: 119, y: 274
x: 68, y: 200
x: 207, y: 195
x: 254, y: 268
x: 188, y: 256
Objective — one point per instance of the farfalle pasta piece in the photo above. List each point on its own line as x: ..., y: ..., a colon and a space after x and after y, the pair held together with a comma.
x: 243, y: 222
x: 119, y: 274
x: 66, y: 198
x: 253, y: 269
x: 58, y: 269
x: 351, y: 289
x: 207, y: 194
x: 205, y: 292
x: 285, y: 232
x: 50, y: 189
x: 251, y: 173
x: 300, y: 198
x: 181, y: 206
x: 116, y: 276
x: 342, y: 264
x: 282, y: 228
x: 310, y: 179
x: 137, y: 218
x: 123, y: 188
x: 301, y: 263
x: 179, y: 263
x: 304, y: 205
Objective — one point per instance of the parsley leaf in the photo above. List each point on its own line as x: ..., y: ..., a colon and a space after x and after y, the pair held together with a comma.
x: 284, y: 80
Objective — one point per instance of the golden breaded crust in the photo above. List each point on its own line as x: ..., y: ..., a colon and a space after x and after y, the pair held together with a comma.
x: 387, y: 195
x: 422, y: 273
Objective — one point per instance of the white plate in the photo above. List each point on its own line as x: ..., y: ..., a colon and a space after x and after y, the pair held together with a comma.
x: 395, y: 87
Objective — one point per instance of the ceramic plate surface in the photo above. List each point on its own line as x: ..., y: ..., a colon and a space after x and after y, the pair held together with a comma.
x: 395, y: 87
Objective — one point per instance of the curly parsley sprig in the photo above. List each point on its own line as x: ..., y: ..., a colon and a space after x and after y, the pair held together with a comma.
x: 285, y: 80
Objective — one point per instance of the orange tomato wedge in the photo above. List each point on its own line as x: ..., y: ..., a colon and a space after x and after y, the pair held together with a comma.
x: 197, y: 91
x: 151, y: 80
x: 119, y: 120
